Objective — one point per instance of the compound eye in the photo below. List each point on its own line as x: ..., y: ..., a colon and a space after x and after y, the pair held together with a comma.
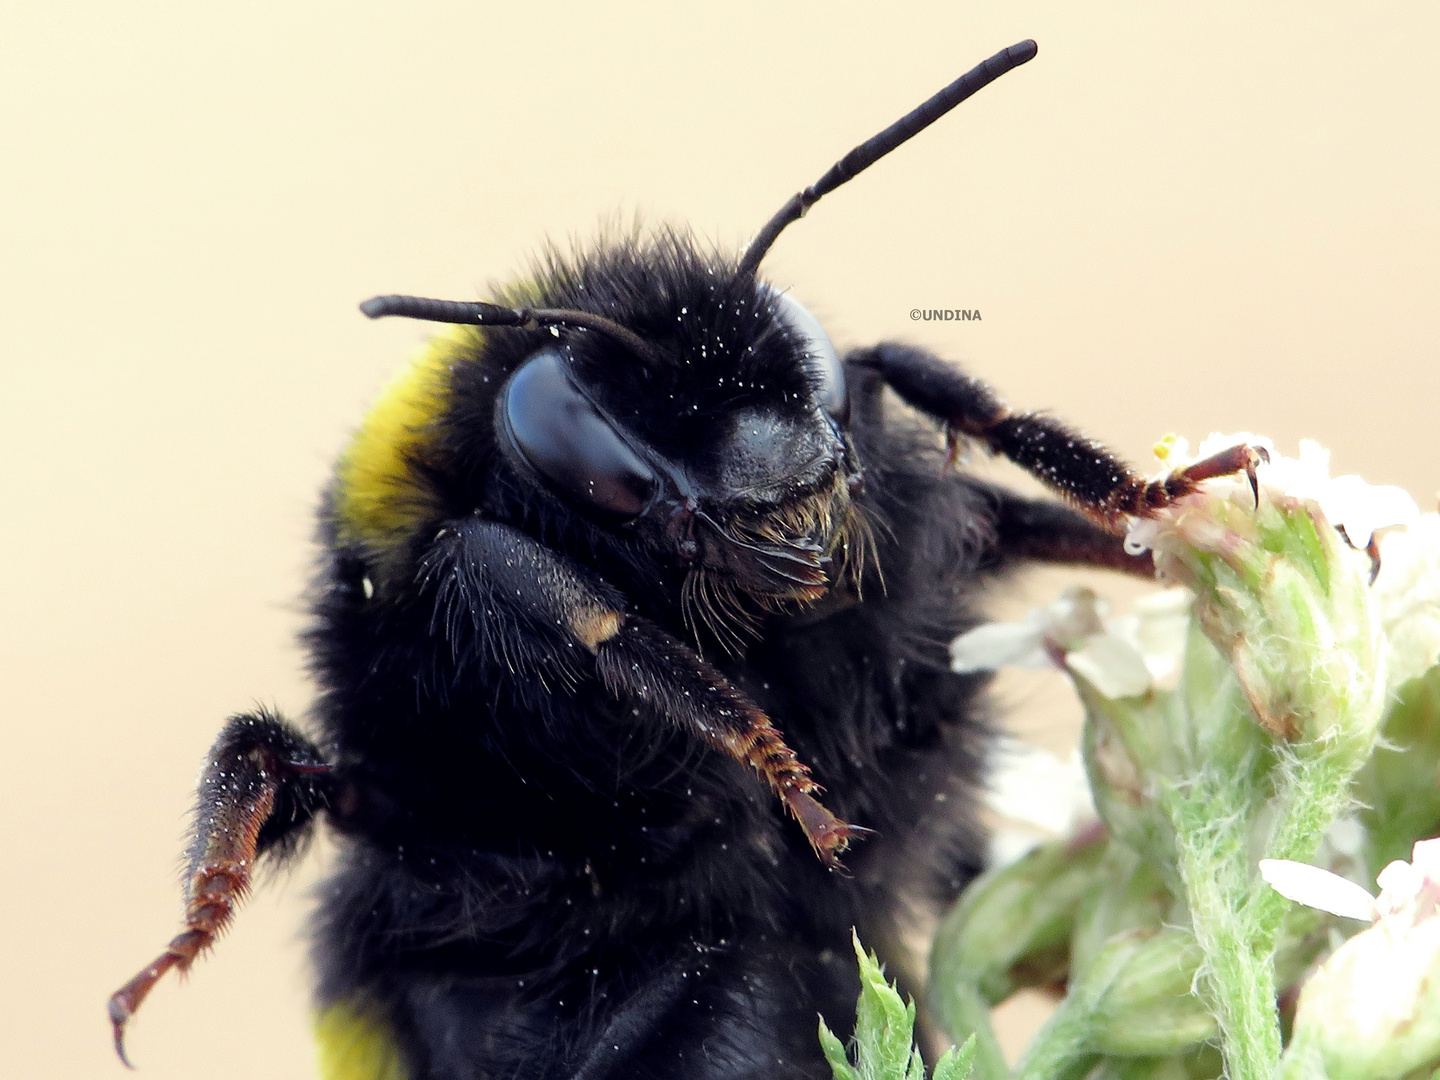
x: 820, y: 354
x: 564, y: 438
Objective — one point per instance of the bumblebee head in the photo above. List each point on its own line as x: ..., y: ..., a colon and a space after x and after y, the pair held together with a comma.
x: 706, y: 424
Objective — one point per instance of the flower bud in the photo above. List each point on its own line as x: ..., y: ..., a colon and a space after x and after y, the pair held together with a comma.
x: 1284, y: 597
x: 1133, y: 1000
x: 1372, y: 1011
x: 1012, y: 926
x: 1130, y: 894
x: 1202, y: 1063
x: 1126, y: 752
x: 1139, y: 987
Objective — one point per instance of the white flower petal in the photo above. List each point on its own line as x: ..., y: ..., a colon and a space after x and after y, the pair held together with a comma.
x: 1410, y: 891
x: 1361, y: 509
x: 1317, y: 888
x: 1061, y: 624
x: 1010, y: 846
x: 1408, y: 594
x: 1034, y: 787
x: 1074, y: 615
x: 1157, y: 627
x: 1400, y: 883
x: 1112, y: 666
x: 1425, y: 857
x: 1140, y: 536
x: 997, y: 645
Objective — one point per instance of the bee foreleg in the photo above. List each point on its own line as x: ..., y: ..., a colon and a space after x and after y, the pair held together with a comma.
x: 644, y: 663
x: 1080, y: 469
x: 493, y: 588
x: 262, y: 783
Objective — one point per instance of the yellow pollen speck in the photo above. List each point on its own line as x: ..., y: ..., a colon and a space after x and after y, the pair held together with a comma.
x: 1165, y: 447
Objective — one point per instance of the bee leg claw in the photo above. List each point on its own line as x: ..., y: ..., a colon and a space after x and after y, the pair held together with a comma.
x: 1372, y: 549
x: 119, y: 1016
x: 1240, y: 458
x: 828, y: 835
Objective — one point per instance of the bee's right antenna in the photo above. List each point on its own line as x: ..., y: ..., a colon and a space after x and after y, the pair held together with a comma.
x: 477, y: 313
x: 867, y: 153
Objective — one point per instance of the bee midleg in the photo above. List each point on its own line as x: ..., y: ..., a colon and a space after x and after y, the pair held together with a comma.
x: 261, y: 785
x: 1042, y: 530
x: 1080, y: 469
x: 524, y: 602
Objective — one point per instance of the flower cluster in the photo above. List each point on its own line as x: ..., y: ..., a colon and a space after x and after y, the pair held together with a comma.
x: 1347, y: 502
x: 1232, y: 718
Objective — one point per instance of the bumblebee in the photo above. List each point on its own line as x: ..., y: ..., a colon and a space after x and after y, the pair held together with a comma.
x: 617, y: 573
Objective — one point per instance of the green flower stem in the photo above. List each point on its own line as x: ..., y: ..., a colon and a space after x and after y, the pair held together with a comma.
x: 1236, y: 917
x: 1011, y: 929
x: 1313, y: 789
x: 1293, y: 620
x: 1060, y: 1049
x: 1212, y: 823
x: 962, y: 1009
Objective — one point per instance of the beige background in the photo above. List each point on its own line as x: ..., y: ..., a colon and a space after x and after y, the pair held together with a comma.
x: 1176, y: 218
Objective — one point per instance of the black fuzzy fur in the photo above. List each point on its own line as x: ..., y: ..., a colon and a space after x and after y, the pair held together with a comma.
x: 540, y: 882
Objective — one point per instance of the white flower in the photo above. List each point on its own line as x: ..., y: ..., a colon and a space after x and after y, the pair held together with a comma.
x: 1037, y: 641
x: 1029, y: 786
x: 1408, y: 594
x: 1411, y: 889
x: 1120, y: 657
x: 1408, y: 889
x: 1372, y: 1010
x: 1347, y: 502
x: 1156, y: 628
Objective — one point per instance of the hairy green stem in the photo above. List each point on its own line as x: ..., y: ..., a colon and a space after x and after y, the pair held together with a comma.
x: 962, y: 1011
x: 1235, y: 915
x: 1238, y: 976
x: 1313, y: 790
x: 1059, y: 1050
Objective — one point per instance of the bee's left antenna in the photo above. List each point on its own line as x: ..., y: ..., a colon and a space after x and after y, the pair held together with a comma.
x: 872, y: 150
x: 477, y: 313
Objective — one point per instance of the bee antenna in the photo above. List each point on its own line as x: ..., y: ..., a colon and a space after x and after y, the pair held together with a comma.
x: 476, y: 313
x: 871, y: 151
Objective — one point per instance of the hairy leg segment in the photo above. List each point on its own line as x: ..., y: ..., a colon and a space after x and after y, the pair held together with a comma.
x: 1081, y: 470
x: 519, y: 603
x: 262, y: 785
